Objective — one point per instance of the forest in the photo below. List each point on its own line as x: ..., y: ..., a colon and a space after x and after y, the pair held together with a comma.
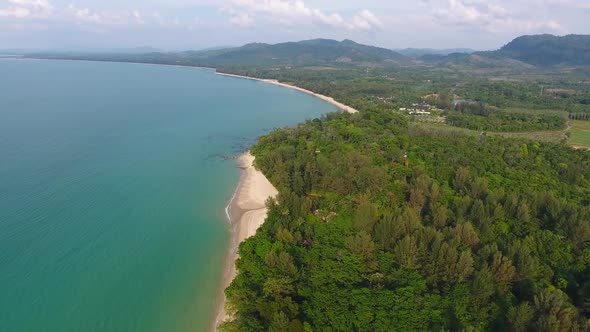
x: 381, y: 226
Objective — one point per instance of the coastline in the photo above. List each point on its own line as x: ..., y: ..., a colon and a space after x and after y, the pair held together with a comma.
x: 246, y: 212
x: 330, y: 100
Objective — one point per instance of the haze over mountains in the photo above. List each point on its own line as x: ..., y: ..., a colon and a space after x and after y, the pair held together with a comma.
x: 536, y: 50
x: 418, y: 52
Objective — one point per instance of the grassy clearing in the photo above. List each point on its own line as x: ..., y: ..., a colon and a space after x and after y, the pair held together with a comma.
x: 533, y: 135
x: 580, y: 133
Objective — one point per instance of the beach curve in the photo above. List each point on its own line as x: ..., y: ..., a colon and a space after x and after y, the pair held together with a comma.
x: 246, y: 212
x: 330, y: 100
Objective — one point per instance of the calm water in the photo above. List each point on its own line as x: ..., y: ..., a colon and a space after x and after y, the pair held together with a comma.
x: 113, y: 188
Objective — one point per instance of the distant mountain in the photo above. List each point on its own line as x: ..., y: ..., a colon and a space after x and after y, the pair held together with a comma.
x: 546, y: 50
x: 307, y: 52
x: 445, y: 58
x: 316, y: 51
x: 216, y: 48
x: 525, y: 52
x: 419, y: 52
x: 137, y: 50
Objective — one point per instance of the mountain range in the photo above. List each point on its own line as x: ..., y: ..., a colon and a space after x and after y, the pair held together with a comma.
x: 536, y: 50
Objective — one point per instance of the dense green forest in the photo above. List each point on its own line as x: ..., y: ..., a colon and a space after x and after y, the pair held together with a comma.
x: 380, y: 227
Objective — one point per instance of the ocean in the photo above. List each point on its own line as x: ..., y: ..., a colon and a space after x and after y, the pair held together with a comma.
x: 113, y: 184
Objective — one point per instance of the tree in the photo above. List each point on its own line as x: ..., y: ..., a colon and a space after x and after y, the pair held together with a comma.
x: 466, y: 234
x: 406, y: 252
x: 280, y: 323
x: 462, y: 178
x: 365, y: 217
x: 440, y: 216
x: 503, y: 271
x: 554, y: 313
x: 520, y: 317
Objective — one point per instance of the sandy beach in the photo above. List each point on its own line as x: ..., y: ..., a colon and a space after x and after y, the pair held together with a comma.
x: 246, y: 212
x: 247, y: 209
x: 330, y: 100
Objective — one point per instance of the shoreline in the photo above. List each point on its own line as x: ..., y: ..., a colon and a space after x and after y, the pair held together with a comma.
x: 246, y: 212
x: 330, y: 100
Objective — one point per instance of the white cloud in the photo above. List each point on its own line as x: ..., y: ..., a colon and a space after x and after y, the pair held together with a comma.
x: 84, y: 14
x: 366, y: 20
x: 491, y: 17
x: 110, y: 19
x: 576, y: 4
x: 242, y: 20
x: 296, y: 12
x: 138, y: 17
x: 16, y: 12
x: 26, y: 8
x: 42, y: 4
x: 32, y: 13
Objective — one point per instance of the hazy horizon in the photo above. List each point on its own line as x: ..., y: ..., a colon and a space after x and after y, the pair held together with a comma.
x: 199, y: 24
x: 148, y: 48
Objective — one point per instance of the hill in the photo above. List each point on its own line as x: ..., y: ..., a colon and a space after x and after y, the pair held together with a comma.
x: 307, y: 52
x: 546, y: 50
x: 316, y: 51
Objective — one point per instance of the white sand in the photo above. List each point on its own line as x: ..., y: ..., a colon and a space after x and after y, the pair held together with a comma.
x: 330, y: 100
x: 247, y: 212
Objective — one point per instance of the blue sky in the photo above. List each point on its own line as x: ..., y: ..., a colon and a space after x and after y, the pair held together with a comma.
x: 194, y: 24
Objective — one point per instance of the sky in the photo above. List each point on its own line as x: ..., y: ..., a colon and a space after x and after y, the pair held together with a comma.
x: 198, y: 24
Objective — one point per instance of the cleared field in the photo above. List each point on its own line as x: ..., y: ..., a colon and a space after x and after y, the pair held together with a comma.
x: 532, y: 135
x: 580, y: 133
x: 535, y: 135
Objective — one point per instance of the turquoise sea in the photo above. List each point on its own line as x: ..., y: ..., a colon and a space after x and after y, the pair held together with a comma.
x: 113, y: 187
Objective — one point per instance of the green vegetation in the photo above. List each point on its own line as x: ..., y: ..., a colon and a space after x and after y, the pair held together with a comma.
x: 395, y: 87
x: 580, y: 133
x: 536, y: 136
x: 540, y: 92
x: 503, y: 121
x: 472, y: 232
